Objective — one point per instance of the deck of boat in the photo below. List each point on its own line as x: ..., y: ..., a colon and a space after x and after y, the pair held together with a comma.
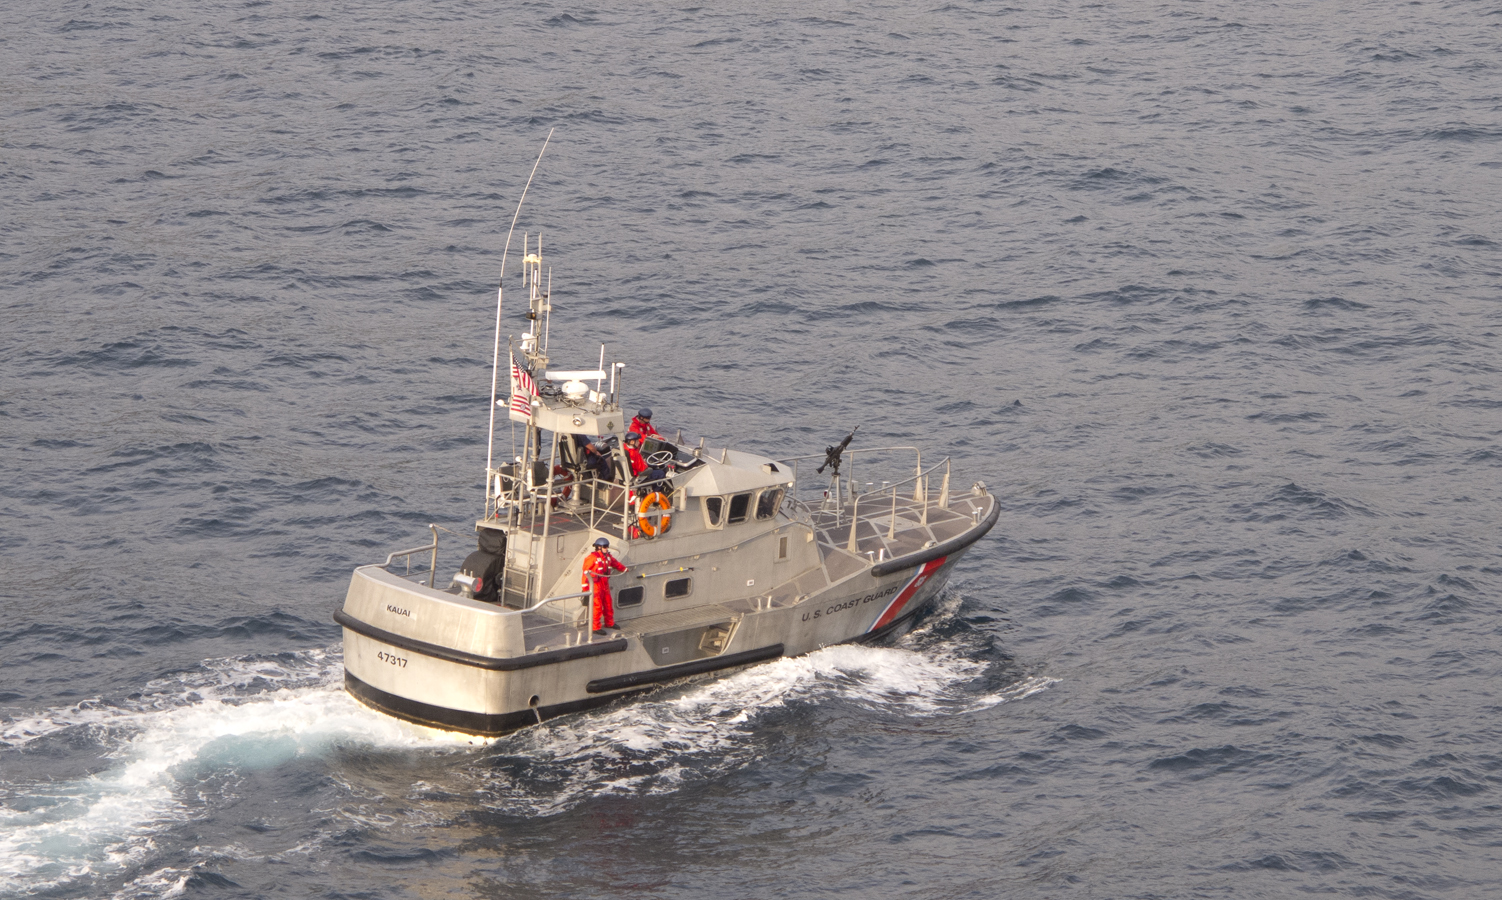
x: 892, y: 530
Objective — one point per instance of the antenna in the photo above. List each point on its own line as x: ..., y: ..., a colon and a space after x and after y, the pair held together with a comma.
x: 547, y: 291
x: 495, y: 366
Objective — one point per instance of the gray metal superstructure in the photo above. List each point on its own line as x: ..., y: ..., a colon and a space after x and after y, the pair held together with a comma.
x: 733, y: 559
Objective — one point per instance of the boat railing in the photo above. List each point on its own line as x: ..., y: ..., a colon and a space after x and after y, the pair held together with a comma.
x: 555, y: 612
x: 886, y: 500
x: 558, y: 599
x: 608, y: 508
x: 848, y: 462
x: 408, y: 554
x: 594, y: 514
x: 852, y: 494
x: 607, y: 500
x: 531, y: 511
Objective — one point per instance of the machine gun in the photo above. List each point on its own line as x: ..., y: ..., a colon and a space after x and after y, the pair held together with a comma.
x: 832, y: 454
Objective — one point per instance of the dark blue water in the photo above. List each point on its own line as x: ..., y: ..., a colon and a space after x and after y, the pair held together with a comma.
x: 1207, y: 293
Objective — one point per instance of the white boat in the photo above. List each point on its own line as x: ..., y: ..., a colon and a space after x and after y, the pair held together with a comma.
x: 733, y: 558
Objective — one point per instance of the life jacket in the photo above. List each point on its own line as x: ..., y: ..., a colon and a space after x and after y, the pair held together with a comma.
x: 599, y: 564
x: 638, y: 464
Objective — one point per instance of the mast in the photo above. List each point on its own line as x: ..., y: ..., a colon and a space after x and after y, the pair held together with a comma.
x: 539, y: 310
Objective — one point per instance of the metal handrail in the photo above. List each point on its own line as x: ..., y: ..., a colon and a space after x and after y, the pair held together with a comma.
x: 920, y: 494
x: 432, y: 567
x: 945, y: 462
x: 585, y: 637
x: 849, y: 459
x: 539, y: 604
x: 852, y: 451
x: 668, y: 572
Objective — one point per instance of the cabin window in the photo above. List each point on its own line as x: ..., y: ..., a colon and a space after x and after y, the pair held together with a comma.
x: 767, y: 503
x: 714, y: 509
x: 782, y: 547
x: 630, y: 596
x: 678, y: 587
x: 740, y: 507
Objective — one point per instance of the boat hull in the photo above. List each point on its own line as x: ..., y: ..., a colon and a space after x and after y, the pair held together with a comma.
x: 448, y: 674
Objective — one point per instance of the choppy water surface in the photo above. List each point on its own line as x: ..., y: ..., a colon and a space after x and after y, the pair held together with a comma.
x: 1208, y: 294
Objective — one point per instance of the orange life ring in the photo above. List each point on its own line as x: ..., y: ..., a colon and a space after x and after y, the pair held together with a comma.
x: 656, y: 500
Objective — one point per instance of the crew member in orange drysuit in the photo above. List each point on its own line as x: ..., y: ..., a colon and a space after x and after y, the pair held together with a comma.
x: 642, y: 424
x: 633, y: 453
x: 598, y: 566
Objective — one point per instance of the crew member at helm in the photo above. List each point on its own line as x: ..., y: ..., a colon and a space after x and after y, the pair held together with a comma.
x: 633, y: 453
x: 642, y: 424
x: 598, y: 566
x: 641, y: 473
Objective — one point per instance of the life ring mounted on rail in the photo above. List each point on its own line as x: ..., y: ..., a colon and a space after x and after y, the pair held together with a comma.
x: 656, y: 500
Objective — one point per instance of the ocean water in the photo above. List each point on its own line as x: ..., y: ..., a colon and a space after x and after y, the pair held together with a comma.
x: 1208, y: 293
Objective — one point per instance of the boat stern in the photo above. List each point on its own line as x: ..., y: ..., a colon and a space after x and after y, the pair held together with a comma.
x: 427, y: 656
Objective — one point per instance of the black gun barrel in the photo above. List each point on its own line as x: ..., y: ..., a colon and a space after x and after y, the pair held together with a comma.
x: 832, y: 454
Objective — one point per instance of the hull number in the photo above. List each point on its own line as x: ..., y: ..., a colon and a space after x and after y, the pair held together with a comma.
x: 392, y: 659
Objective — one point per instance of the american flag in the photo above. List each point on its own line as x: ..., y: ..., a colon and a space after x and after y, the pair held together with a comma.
x: 523, y: 389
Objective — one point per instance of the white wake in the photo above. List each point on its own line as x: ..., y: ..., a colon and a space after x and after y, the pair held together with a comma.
x: 249, y: 714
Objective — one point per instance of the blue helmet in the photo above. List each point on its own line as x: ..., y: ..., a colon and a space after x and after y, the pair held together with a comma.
x: 645, y: 414
x: 602, y: 542
x: 632, y: 436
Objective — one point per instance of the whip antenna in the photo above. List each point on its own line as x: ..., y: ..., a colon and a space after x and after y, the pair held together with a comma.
x: 495, y: 366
